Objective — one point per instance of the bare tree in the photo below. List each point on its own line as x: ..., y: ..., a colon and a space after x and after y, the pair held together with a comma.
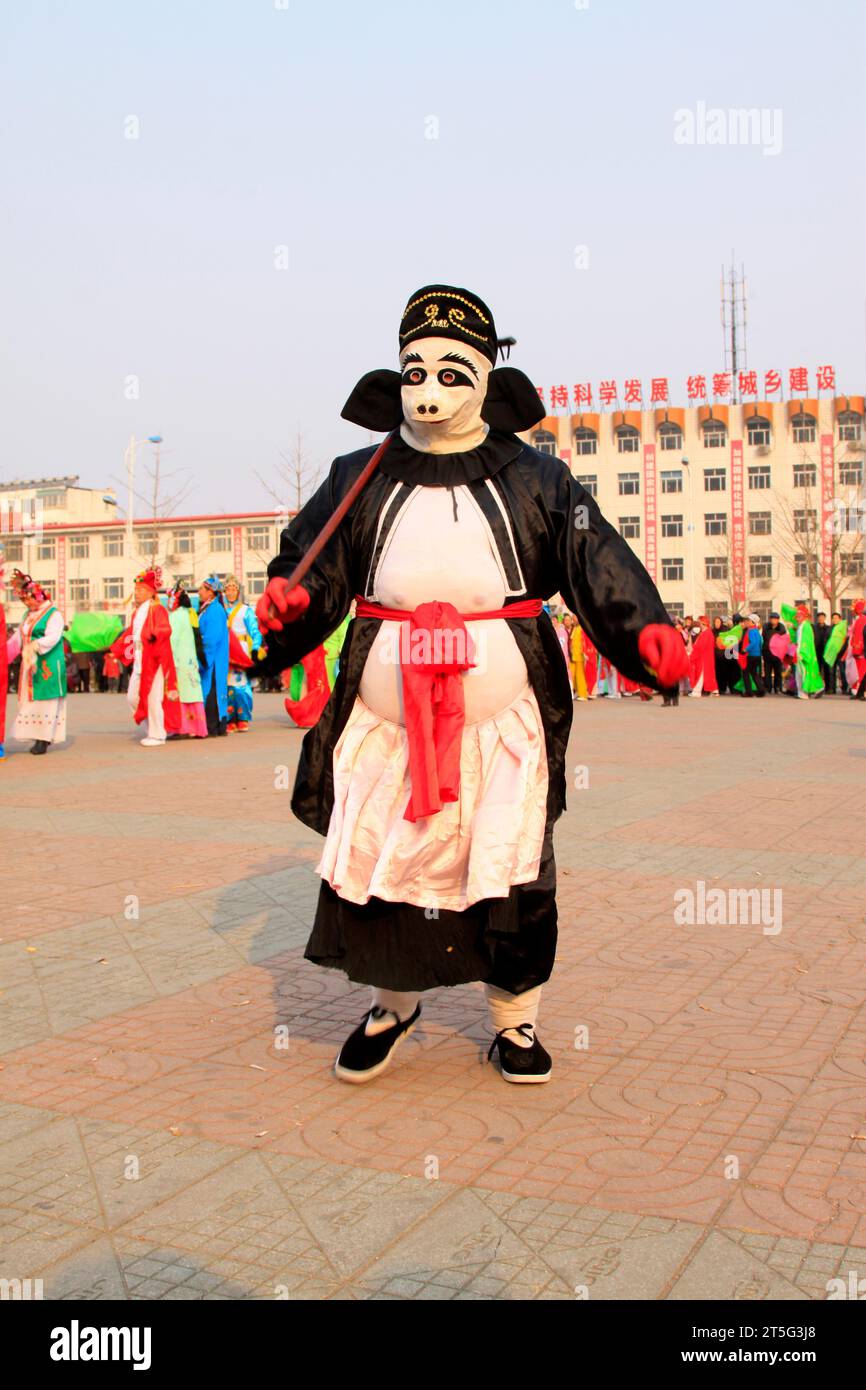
x: 726, y: 587
x: 828, y: 551
x: 296, y: 475
x: 159, y: 505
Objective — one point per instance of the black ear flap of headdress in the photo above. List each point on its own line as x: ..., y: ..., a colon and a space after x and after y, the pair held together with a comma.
x: 512, y: 403
x: 375, y: 403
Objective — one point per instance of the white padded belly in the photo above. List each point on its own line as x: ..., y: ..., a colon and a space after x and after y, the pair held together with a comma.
x: 431, y: 555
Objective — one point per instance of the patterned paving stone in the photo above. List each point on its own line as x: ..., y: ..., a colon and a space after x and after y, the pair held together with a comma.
x: 19, y: 1120
x: 728, y: 1269
x: 679, y: 1050
x: 239, y: 1222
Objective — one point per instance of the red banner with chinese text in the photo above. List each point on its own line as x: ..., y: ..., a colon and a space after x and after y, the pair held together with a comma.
x: 649, y: 504
x: 60, y: 596
x: 738, y: 527
x: 827, y: 493
x: 237, y: 538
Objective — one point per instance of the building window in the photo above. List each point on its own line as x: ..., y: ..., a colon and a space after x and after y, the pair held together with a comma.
x: 147, y: 543
x: 851, y: 563
x: 714, y: 480
x: 672, y: 569
x: 255, y: 583
x: 759, y: 477
x: 760, y: 567
x: 672, y: 526
x: 851, y: 426
x: 112, y: 546
x: 79, y: 547
x: 804, y: 428
x: 52, y: 499
x: 47, y: 549
x: 629, y: 484
x: 805, y: 520
x: 220, y: 538
x: 717, y: 567
x: 589, y: 481
x: 675, y: 610
x: 851, y: 473
x: 79, y: 590
x: 259, y: 538
x: 12, y: 550
x: 757, y: 430
x: 183, y: 542
x: 805, y: 475
x: 760, y: 524
x: 544, y: 442
x: 670, y: 436
x: 762, y: 609
x: 715, y: 434
x: 112, y: 590
x: 846, y: 518
x: 671, y: 480
x: 629, y: 528
x: 802, y: 566
x: 627, y: 439
x: 585, y: 441
x: 715, y: 524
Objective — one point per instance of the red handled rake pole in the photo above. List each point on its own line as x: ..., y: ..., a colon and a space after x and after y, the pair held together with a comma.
x: 337, y: 515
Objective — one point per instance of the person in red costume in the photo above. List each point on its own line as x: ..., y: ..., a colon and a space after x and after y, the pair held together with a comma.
x: 4, y: 665
x: 437, y: 770
x: 702, y: 662
x: 153, y: 694
x: 857, y: 649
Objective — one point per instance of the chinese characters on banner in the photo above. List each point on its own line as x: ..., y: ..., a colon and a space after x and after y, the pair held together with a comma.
x: 700, y: 389
x: 827, y: 490
x: 61, y: 573
x: 649, y: 488
x: 239, y: 553
x: 738, y: 530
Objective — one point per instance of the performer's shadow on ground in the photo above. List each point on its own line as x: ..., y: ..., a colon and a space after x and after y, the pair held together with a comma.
x: 268, y: 917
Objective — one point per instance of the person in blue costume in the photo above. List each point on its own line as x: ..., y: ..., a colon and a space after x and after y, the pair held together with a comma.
x: 243, y: 623
x: 214, y: 628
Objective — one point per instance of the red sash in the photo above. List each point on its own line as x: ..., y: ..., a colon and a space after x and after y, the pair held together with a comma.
x: 434, y: 653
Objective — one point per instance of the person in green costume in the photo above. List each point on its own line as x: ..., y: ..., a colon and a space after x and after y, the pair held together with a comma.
x: 809, y: 681
x: 188, y: 652
x: 835, y: 643
x: 42, y: 684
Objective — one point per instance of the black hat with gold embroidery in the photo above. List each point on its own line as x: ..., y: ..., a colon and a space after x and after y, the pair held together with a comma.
x: 443, y: 311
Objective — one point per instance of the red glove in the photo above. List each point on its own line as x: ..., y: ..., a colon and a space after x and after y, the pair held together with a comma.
x: 663, y: 653
x: 279, y: 605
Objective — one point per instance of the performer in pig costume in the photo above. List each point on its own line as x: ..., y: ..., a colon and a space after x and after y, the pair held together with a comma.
x: 437, y: 770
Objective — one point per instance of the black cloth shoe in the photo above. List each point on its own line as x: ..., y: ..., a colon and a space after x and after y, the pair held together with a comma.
x: 364, y: 1057
x: 40, y: 746
x: 521, y: 1064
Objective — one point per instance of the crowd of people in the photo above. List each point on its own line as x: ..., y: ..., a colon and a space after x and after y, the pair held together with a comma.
x: 742, y: 656
x: 184, y: 661
x: 187, y: 663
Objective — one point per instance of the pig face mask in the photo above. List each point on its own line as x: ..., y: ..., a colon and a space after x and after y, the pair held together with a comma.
x: 448, y: 394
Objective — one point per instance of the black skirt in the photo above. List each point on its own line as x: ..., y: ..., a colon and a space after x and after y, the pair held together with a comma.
x: 509, y: 942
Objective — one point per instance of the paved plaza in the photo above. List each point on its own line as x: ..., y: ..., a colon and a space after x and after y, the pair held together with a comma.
x: 169, y: 1123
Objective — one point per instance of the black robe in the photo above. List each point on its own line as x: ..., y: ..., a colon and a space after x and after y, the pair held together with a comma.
x: 551, y: 538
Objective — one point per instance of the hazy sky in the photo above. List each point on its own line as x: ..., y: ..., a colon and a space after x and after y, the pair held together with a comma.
x: 305, y: 125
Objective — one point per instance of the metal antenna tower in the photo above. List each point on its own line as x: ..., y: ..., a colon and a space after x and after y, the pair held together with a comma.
x: 735, y: 318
